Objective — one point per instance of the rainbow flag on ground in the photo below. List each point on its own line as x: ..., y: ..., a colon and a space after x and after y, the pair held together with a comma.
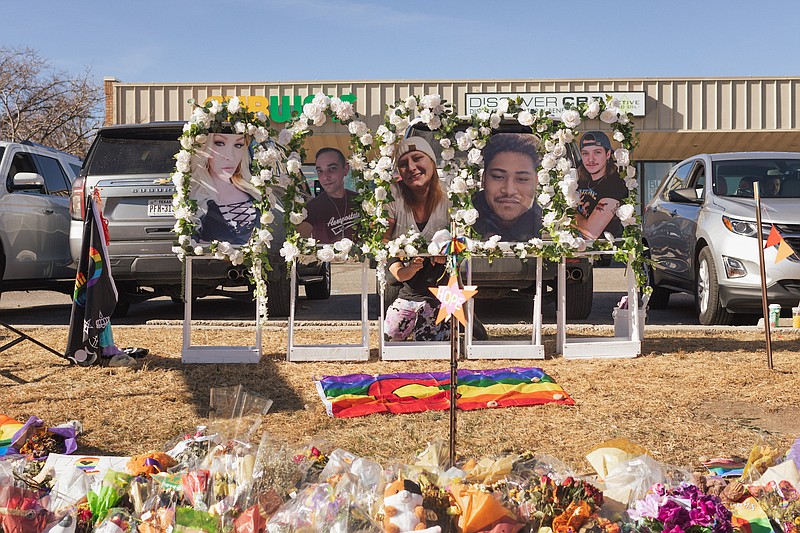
x: 364, y: 394
x: 8, y: 428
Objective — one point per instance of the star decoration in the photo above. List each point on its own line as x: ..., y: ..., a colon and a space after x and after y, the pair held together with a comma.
x: 452, y: 299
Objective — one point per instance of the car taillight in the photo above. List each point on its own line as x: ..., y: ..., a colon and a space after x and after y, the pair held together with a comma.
x: 77, y: 206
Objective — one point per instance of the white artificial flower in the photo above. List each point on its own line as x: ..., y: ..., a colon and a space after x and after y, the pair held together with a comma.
x: 630, y: 171
x: 544, y: 176
x: 366, y: 139
x: 200, y: 139
x: 265, y: 236
x: 343, y: 110
x: 502, y: 106
x: 565, y: 136
x: 571, y: 118
x: 544, y: 199
x: 593, y: 109
x: 357, y: 128
x: 564, y: 165
x: 388, y: 137
x: 431, y: 101
x: 325, y: 254
x: 234, y: 105
x: 215, y: 107
x: 619, y: 136
x: 426, y: 116
x: 261, y: 116
x: 225, y: 247
x: 184, y: 240
x: 293, y: 166
x: 435, y: 122
x: 410, y: 250
x: 463, y: 141
x: 434, y: 248
x: 549, y: 218
x: 343, y: 245
x: 357, y: 162
x: 187, y: 142
x: 560, y: 150
x: 525, y: 118
x: 284, y: 136
x: 458, y: 185
x: 380, y: 193
x: 384, y: 163
x: 296, y: 218
x: 448, y: 154
x: 549, y: 162
x: 198, y: 250
x: 625, y: 214
x: 470, y: 216
x: 411, y: 102
x: 475, y: 157
x: 289, y: 251
x: 494, y: 120
x: 631, y: 183
x: 609, y: 116
x: 322, y: 99
x: 178, y: 179
x: 623, y: 118
x: 237, y: 257
x: 614, y: 102
x: 445, y: 143
x: 580, y: 244
x: 622, y: 157
x: 387, y: 150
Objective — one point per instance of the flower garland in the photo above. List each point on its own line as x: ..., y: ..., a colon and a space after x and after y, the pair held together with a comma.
x: 216, y: 117
x: 292, y: 137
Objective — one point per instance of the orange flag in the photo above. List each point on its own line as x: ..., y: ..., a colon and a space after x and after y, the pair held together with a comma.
x: 773, y: 238
x: 784, y: 251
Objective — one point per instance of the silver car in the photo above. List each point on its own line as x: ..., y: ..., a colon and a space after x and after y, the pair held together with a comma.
x: 700, y: 231
x: 34, y: 217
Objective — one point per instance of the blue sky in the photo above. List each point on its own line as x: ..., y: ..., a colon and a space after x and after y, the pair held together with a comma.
x: 298, y: 40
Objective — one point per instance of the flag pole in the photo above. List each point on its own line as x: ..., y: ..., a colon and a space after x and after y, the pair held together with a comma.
x: 764, y: 303
x: 453, y: 359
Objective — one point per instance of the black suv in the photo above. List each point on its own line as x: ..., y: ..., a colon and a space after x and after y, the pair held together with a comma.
x: 131, y: 166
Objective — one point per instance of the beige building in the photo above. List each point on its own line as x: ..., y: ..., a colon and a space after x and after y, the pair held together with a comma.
x: 674, y: 117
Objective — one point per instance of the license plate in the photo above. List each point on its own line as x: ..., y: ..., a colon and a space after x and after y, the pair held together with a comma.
x: 159, y: 208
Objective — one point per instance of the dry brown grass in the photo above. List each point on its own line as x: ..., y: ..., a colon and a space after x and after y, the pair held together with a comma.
x: 694, y: 393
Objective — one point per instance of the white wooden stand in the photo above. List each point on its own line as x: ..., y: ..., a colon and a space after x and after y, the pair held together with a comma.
x: 533, y: 349
x: 331, y: 352
x: 213, y: 354
x: 586, y: 348
x: 408, y: 350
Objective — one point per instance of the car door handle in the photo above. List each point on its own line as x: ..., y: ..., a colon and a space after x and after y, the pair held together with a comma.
x: 47, y: 211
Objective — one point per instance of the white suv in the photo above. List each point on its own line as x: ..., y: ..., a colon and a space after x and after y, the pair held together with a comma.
x: 34, y: 217
x: 700, y: 229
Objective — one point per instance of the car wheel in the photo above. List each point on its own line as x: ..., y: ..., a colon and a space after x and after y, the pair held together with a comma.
x: 709, y: 309
x: 122, y: 307
x: 659, y: 298
x: 320, y: 290
x: 580, y: 296
x: 278, y: 291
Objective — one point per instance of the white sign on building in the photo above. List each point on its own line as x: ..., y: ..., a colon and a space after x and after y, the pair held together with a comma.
x: 553, y: 103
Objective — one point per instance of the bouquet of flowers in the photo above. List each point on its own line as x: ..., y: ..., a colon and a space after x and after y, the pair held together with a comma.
x: 781, y: 502
x: 564, y: 506
x: 684, y: 509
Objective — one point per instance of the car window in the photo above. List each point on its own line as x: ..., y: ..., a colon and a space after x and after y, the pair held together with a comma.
x: 22, y: 162
x: 698, y: 179
x: 76, y: 169
x: 133, y: 156
x: 677, y: 179
x: 55, y: 179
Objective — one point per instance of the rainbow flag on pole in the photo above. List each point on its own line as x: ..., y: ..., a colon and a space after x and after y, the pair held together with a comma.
x: 363, y: 394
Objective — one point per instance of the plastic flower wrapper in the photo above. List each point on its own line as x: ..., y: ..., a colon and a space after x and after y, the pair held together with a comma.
x: 528, y: 465
x: 188, y: 520
x: 781, y: 502
x: 110, y: 491
x: 490, y: 470
x: 23, y: 510
x: 311, y: 459
x: 433, y: 458
x: 69, y: 489
x: 313, y: 507
x: 481, y: 510
x: 357, y: 486
x: 684, y: 509
x: 195, y: 485
x: 762, y: 456
x: 190, y: 450
x: 236, y: 413
x: 605, y: 456
x: 630, y: 480
x: 117, y: 521
x: 277, y: 468
x: 168, y: 491
x: 157, y: 521
x: 230, y: 482
x: 254, y: 519
x: 36, y: 441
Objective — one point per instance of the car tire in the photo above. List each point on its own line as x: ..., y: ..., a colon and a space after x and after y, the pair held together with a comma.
x: 710, y: 311
x: 278, y: 290
x: 320, y: 290
x: 580, y: 297
x: 122, y: 307
x: 659, y: 298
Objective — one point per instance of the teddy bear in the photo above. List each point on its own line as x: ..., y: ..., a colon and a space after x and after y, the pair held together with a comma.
x: 402, y: 509
x: 150, y: 463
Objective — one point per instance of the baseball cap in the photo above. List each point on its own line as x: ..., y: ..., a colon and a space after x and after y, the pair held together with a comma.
x: 414, y: 144
x: 595, y: 138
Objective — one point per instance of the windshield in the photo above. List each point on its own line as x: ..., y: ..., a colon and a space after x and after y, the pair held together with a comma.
x: 776, y: 178
x: 133, y: 156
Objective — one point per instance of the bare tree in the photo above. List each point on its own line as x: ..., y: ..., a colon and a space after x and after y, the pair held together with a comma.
x: 43, y: 105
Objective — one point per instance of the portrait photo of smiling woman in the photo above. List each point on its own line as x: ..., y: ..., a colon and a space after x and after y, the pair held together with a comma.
x: 506, y: 206
x: 221, y: 185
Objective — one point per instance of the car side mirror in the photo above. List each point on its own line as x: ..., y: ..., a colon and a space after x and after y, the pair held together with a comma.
x: 26, y: 181
x: 684, y: 196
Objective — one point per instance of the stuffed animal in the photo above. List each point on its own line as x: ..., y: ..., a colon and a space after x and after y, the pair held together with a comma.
x: 402, y: 509
x: 150, y: 463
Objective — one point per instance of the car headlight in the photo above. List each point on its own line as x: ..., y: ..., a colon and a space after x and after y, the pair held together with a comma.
x: 740, y: 227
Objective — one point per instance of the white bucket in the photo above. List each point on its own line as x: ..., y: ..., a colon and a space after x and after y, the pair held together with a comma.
x: 622, y: 324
